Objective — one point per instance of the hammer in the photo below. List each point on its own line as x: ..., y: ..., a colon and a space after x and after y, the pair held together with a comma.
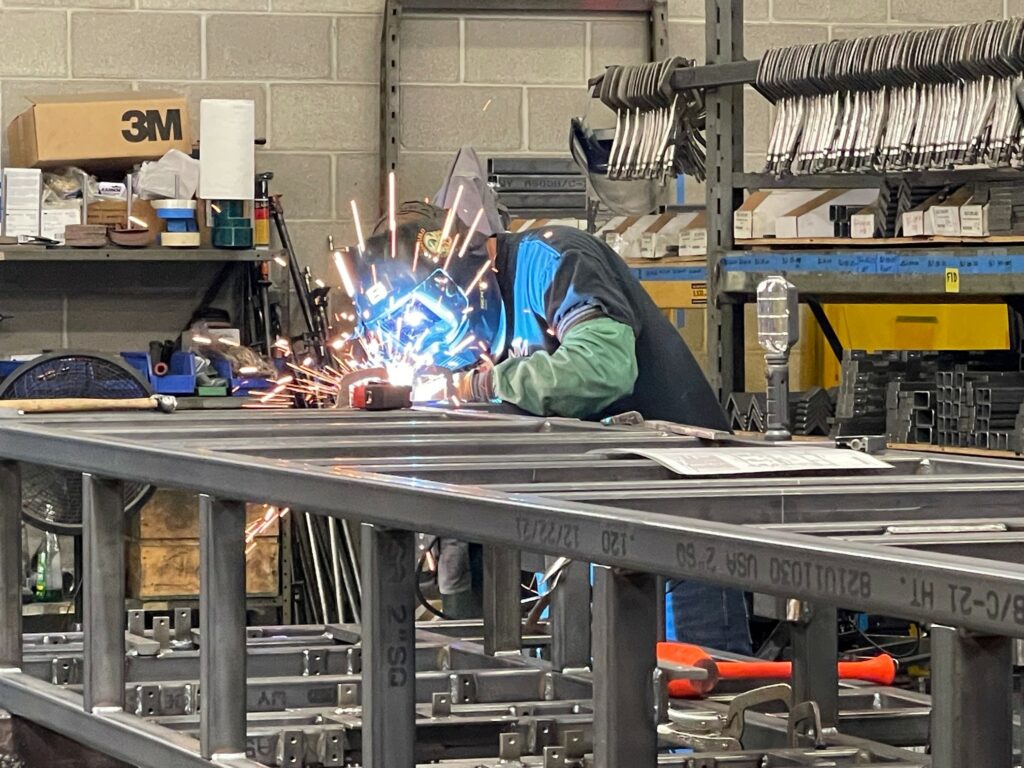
x: 162, y: 403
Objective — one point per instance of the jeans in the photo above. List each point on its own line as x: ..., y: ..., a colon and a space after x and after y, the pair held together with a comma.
x: 710, y: 616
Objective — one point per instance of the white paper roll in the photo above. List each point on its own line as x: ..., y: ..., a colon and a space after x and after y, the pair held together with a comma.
x: 227, y: 162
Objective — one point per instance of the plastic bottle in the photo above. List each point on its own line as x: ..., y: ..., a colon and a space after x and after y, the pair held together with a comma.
x: 49, y: 586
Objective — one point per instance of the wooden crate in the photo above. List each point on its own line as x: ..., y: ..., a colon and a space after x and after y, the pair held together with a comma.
x: 170, y: 568
x: 163, y: 550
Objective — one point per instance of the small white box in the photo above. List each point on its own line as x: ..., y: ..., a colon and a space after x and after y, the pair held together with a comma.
x: 913, y: 224
x: 862, y: 226
x: 942, y: 220
x: 974, y: 220
x: 54, y: 220
x: 22, y: 196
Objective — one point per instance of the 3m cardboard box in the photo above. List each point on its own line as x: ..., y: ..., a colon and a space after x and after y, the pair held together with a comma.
x: 99, y: 131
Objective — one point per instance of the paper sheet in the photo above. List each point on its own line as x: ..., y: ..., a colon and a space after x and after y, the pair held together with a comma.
x: 227, y: 161
x: 709, y: 462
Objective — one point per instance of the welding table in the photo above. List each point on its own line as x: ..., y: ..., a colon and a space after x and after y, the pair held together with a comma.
x: 936, y: 539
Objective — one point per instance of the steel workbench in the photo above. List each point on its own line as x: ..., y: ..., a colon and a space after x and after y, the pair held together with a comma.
x: 933, y: 538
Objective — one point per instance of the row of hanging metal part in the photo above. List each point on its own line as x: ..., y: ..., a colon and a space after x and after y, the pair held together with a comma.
x: 658, y: 131
x: 917, y: 100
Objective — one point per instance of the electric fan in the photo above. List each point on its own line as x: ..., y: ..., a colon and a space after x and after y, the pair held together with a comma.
x: 51, y: 499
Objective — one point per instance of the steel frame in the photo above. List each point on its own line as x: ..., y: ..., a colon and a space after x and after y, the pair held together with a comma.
x: 934, y: 539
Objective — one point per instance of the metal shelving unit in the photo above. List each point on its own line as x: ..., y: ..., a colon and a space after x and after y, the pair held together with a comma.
x: 66, y: 254
x: 991, y: 272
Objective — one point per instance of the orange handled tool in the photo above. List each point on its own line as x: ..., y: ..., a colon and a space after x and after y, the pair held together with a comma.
x: 880, y: 669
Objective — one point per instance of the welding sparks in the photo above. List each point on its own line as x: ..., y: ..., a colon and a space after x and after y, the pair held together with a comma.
x: 472, y: 231
x: 450, y: 218
x: 479, y: 276
x: 248, y: 370
x: 451, y: 252
x: 280, y: 261
x: 138, y: 222
x: 487, y: 104
x: 359, y: 229
x: 415, y: 256
x: 320, y: 283
x: 346, y: 278
x: 201, y: 340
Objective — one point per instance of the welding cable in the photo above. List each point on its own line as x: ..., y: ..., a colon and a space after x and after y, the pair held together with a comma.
x: 419, y: 591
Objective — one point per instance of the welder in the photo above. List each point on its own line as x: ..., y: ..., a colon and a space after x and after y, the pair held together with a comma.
x: 561, y: 327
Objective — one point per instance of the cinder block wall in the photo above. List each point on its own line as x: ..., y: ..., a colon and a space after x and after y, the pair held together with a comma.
x: 507, y: 85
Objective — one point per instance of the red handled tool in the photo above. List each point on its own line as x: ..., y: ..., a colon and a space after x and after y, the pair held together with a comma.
x: 880, y: 669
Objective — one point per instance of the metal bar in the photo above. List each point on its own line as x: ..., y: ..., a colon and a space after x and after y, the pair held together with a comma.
x: 570, y: 618
x: 524, y: 6
x: 772, y: 562
x: 658, y: 30
x: 389, y: 675
x: 390, y: 79
x: 972, y: 699
x: 717, y: 75
x: 222, y: 624
x: 503, y: 624
x: 827, y: 329
x: 815, y: 653
x: 10, y: 565
x: 625, y: 634
x: 119, y: 735
x: 103, y: 574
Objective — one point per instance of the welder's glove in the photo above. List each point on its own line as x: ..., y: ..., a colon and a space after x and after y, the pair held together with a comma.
x: 475, y: 385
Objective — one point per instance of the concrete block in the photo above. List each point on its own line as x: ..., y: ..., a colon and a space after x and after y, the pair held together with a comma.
x: 303, y: 181
x: 35, y: 322
x: 15, y: 94
x: 329, y: 6
x: 64, y: 4
x: 359, y: 48
x: 441, y: 118
x: 760, y: 37
x: 830, y: 10
x: 135, y: 45
x: 430, y: 50
x: 34, y: 44
x: 357, y: 178
x: 946, y: 11
x: 205, y: 5
x: 686, y: 38
x: 196, y: 92
x: 694, y: 9
x: 524, y: 51
x: 335, y: 117
x: 550, y: 110
x: 758, y: 115
x: 257, y: 46
x: 617, y: 42
x: 421, y: 175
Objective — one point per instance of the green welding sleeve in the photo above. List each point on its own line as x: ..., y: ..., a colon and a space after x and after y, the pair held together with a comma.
x: 594, y: 366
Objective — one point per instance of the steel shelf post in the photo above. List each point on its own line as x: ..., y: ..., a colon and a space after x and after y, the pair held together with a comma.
x: 222, y: 653
x: 503, y: 624
x: 103, y: 533
x: 10, y: 564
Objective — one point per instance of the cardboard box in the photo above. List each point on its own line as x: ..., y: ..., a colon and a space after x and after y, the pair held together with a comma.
x: 104, y: 131
x: 693, y: 238
x: 813, y: 218
x: 23, y: 200
x: 756, y: 218
x: 114, y: 213
x: 663, y: 235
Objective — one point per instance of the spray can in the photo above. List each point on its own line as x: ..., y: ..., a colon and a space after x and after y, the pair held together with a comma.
x: 261, y: 212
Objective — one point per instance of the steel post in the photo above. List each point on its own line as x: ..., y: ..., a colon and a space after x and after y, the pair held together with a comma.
x: 389, y: 648
x: 10, y: 564
x: 815, y: 654
x: 222, y: 627
x: 103, y: 575
x: 503, y: 623
x: 570, y: 618
x: 625, y: 633
x: 972, y: 699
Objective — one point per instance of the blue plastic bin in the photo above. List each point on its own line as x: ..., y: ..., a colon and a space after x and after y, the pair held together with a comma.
x: 140, y: 362
x: 240, y: 386
x: 180, y: 378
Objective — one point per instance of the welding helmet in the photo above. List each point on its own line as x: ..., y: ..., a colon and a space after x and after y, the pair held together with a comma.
x: 421, y: 292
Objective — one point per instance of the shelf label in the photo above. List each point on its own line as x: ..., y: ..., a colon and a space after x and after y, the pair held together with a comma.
x: 952, y: 280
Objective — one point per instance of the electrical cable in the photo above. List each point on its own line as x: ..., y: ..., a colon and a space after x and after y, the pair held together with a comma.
x: 420, y: 597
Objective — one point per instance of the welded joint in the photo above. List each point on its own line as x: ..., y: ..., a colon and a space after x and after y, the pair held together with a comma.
x: 331, y: 747
x: 314, y: 663
x: 291, y: 749
x: 64, y: 670
x: 462, y: 688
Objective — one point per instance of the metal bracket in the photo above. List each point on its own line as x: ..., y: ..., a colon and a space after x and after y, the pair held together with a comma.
x: 441, y: 705
x: 147, y: 701
x: 463, y: 688
x: 64, y: 670
x: 332, y: 747
x: 314, y: 662
x: 291, y: 749
x: 348, y: 694
x: 862, y: 443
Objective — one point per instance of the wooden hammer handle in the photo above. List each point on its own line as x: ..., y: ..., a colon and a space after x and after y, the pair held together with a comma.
x: 80, y: 404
